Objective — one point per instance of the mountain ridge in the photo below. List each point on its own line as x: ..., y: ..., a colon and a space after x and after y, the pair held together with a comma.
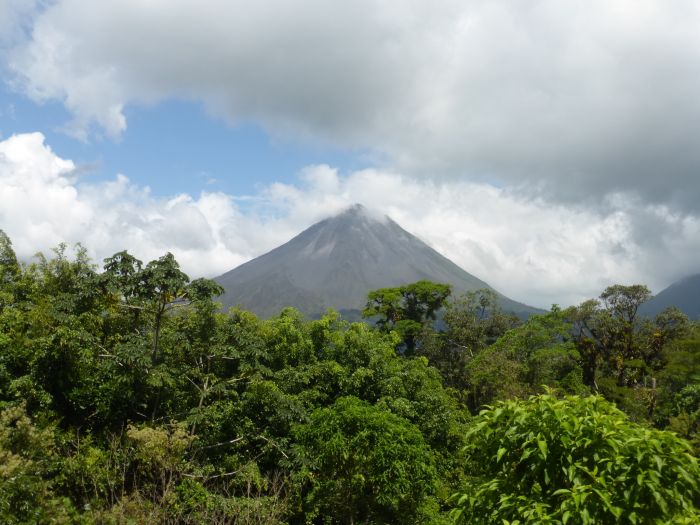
x: 684, y: 294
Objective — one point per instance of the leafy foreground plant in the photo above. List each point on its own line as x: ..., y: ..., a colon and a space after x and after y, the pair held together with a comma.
x: 574, y: 460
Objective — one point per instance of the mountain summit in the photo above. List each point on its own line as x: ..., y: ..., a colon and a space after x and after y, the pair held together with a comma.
x: 335, y: 262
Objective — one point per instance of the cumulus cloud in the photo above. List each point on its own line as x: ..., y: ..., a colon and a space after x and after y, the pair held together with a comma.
x: 42, y: 204
x: 571, y: 101
x: 529, y: 249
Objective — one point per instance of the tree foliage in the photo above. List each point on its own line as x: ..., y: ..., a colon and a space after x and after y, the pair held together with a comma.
x: 473, y: 321
x: 407, y: 309
x: 577, y: 460
x: 127, y: 396
x: 366, y: 465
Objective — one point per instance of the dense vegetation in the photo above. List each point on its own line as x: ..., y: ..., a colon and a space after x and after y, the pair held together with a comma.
x: 126, y: 396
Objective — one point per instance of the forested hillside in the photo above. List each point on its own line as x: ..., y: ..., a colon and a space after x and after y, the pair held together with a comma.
x: 126, y: 396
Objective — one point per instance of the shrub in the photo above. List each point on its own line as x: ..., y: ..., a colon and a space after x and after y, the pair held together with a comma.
x: 577, y: 460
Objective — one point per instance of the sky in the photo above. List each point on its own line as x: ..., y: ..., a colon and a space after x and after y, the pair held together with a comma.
x: 549, y: 148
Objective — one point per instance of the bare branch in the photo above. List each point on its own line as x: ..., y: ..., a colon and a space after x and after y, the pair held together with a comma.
x: 225, y: 474
x: 195, y: 384
x: 274, y: 445
x: 131, y: 306
x: 223, y: 443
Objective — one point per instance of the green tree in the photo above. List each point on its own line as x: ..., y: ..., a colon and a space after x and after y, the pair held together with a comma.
x: 623, y: 355
x: 473, y: 321
x: 657, y: 334
x: 608, y: 331
x: 28, y: 459
x: 622, y: 304
x: 365, y: 465
x: 577, y: 460
x: 535, y: 353
x: 149, y: 295
x: 9, y: 267
x: 407, y: 309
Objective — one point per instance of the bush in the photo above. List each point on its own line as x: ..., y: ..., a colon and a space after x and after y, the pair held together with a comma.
x: 27, y: 459
x: 578, y: 460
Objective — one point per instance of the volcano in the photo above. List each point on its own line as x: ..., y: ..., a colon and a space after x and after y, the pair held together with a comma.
x: 684, y: 294
x: 337, y: 261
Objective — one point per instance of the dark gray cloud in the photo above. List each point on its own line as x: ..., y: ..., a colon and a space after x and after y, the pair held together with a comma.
x: 575, y: 99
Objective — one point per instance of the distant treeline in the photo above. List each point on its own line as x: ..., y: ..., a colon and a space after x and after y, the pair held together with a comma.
x: 126, y: 396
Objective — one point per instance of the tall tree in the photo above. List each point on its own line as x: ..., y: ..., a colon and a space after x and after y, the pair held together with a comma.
x: 407, y: 309
x: 608, y: 329
x: 473, y: 321
x: 9, y: 266
x: 9, y: 270
x: 622, y: 303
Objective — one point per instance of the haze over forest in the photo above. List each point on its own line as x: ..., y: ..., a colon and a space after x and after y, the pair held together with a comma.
x: 548, y: 149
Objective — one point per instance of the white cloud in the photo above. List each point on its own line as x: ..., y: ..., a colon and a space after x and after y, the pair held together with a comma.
x: 531, y: 250
x: 14, y: 17
x: 41, y: 204
x: 575, y: 99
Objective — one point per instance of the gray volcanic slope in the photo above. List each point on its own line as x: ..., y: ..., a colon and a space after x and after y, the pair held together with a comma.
x: 685, y: 294
x: 335, y: 262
